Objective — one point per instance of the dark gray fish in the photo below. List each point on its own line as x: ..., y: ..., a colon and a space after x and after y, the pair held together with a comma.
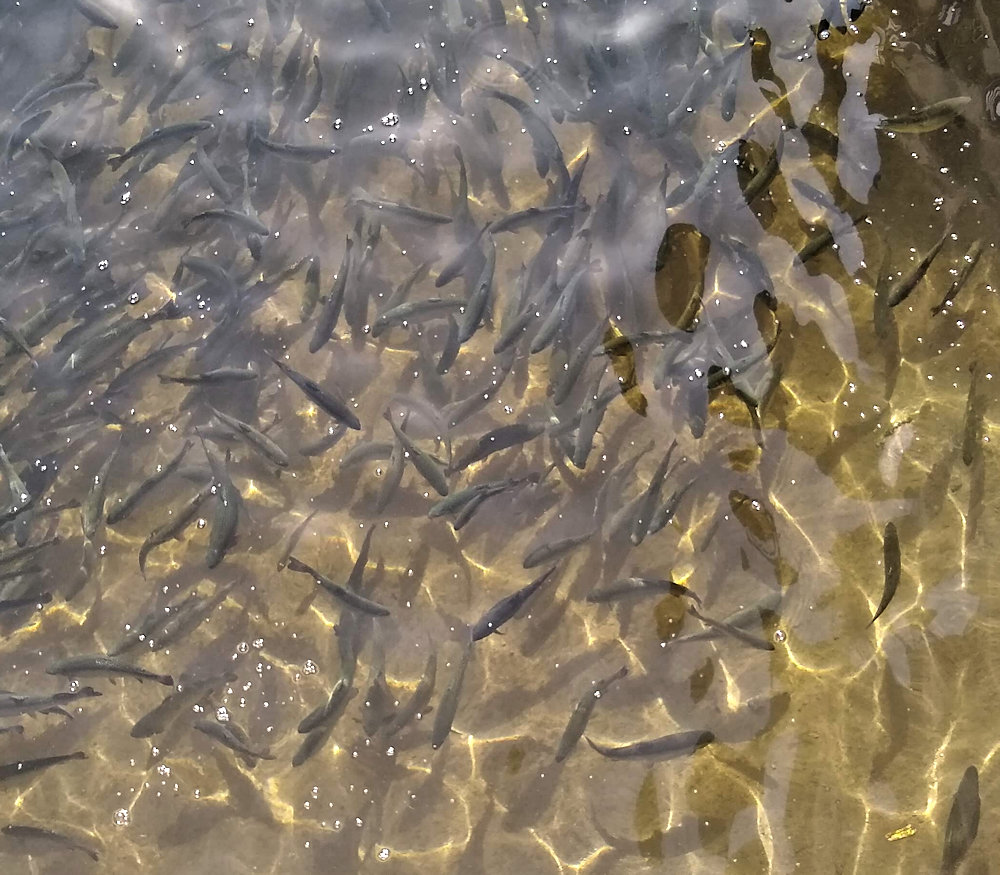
x: 125, y: 505
x: 554, y: 549
x: 230, y: 735
x: 410, y: 311
x: 426, y: 464
x: 92, y: 509
x: 99, y: 665
x: 293, y: 539
x: 179, y: 520
x: 975, y: 403
x: 331, y: 709
x: 156, y: 619
x: 665, y: 747
x: 255, y: 438
x: 666, y: 512
x: 324, y: 400
x: 23, y: 131
x: 629, y: 587
x: 751, y: 616
x: 969, y: 262
x: 173, y: 134
x: 479, y: 300
x: 418, y: 702
x: 294, y: 152
x: 334, y: 303
x: 736, y: 632
x: 347, y: 596
x: 26, y: 767
x: 651, y: 498
x: 310, y: 292
x: 926, y: 118
x: 393, y: 475
x: 444, y: 717
x: 900, y: 289
x: 189, y: 692
x: 43, y: 598
x: 403, y: 211
x: 244, y: 222
x: 498, y: 439
x: 218, y: 376
x: 13, y: 704
x: 507, y: 607
x: 13, y: 334
x: 452, y: 345
x: 96, y: 14
x: 227, y: 511
x: 963, y: 822
x: 46, y: 839
x: 324, y: 443
x: 581, y: 714
x: 891, y: 563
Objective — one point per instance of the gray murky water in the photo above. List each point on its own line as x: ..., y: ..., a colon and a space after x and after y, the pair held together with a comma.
x: 751, y: 243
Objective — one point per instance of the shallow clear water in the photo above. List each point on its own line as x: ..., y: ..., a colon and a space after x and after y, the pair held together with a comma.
x: 814, y: 393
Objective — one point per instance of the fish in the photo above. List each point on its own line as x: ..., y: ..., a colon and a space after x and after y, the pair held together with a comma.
x: 495, y: 441
x: 295, y: 152
x: 189, y: 691
x: 324, y: 400
x: 92, y: 509
x: 666, y: 512
x: 393, y: 475
x: 172, y: 133
x: 891, y: 563
x: 84, y: 666
x: 256, y: 439
x: 507, y: 607
x: 329, y: 712
x: 448, y: 706
x: 554, y: 549
x: 969, y: 262
x: 741, y: 619
x: 181, y: 519
x: 230, y: 735
x: 926, y: 119
x: 479, y: 300
x: 412, y: 311
x: 429, y: 469
x: 293, y: 539
x: 216, y: 377
x: 334, y: 303
x: 630, y: 587
x: 403, y: 211
x: 43, y: 598
x: 733, y: 631
x: 124, y: 505
x: 347, y: 596
x: 651, y: 498
x: 899, y: 290
x: 417, y: 703
x: 243, y: 221
x: 665, y: 747
x: 974, y: 409
x: 227, y: 511
x: 13, y: 704
x: 963, y: 822
x: 19, y: 494
x: 42, y: 838
x: 578, y: 720
x: 9, y: 330
x: 27, y: 767
x: 95, y: 14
